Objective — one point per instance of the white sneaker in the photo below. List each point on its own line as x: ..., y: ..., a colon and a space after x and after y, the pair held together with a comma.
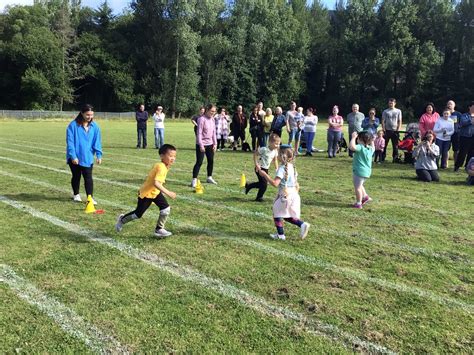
x: 194, y: 183
x: 210, y: 180
x: 119, y: 224
x: 278, y: 236
x: 77, y: 198
x: 304, y: 230
x: 94, y: 202
x: 162, y: 233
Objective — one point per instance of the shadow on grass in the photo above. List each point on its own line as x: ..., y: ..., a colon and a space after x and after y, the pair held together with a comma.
x: 37, y: 197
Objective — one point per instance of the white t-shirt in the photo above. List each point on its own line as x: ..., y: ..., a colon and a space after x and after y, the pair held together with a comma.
x: 159, y: 119
x: 310, y: 123
x: 266, y: 156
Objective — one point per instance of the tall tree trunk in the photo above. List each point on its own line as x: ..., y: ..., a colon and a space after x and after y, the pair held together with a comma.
x: 173, y: 111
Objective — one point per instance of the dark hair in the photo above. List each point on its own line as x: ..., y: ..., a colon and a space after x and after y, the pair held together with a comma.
x: 85, y: 108
x: 470, y: 104
x: 429, y: 132
x: 392, y: 99
x: 165, y: 148
x: 222, y: 109
x: 430, y: 104
x: 364, y: 137
x: 209, y: 107
x: 310, y: 109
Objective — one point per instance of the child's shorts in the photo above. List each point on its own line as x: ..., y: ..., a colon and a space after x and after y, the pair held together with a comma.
x: 358, y: 180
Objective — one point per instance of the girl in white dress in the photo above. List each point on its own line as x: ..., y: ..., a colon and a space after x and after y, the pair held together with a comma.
x: 287, y: 204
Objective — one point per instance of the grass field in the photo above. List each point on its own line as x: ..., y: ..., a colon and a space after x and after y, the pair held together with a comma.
x: 396, y: 276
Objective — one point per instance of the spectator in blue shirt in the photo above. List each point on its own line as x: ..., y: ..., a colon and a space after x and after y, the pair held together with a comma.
x: 83, y: 141
x: 466, y: 138
x: 279, y: 121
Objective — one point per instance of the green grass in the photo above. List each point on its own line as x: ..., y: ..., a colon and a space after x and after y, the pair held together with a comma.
x: 398, y: 273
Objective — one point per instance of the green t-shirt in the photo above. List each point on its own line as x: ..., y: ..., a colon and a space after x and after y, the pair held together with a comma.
x: 362, y: 161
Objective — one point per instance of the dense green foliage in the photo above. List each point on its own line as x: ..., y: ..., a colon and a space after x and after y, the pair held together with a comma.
x: 183, y: 53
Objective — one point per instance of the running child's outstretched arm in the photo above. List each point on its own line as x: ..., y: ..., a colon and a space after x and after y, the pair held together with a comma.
x: 352, y: 143
x: 164, y: 190
x: 274, y: 182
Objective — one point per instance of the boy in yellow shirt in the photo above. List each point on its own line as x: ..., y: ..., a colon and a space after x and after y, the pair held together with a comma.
x: 153, y: 190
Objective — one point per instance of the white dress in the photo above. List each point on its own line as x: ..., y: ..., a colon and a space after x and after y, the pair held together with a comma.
x: 287, y: 203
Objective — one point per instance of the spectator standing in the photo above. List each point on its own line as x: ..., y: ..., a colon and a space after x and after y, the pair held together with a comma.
x: 255, y: 129
x: 279, y: 121
x: 456, y: 117
x: 466, y: 138
x: 291, y: 123
x: 391, y: 124
x: 371, y: 123
x: 194, y: 119
x: 142, y: 117
x: 222, y: 128
x: 310, y: 124
x: 267, y: 125
x: 444, y: 129
x: 428, y: 119
x: 335, y: 123
x: 239, y: 124
x: 159, y: 118
x: 354, y: 122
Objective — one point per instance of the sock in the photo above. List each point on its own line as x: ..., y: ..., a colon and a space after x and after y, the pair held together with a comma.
x: 129, y: 217
x: 164, y: 213
x: 295, y: 221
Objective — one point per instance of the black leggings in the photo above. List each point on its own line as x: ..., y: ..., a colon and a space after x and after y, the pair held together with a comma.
x: 220, y: 142
x: 209, y: 152
x: 86, y: 173
x: 427, y: 175
x: 466, y: 151
x: 144, y: 203
x: 261, y: 185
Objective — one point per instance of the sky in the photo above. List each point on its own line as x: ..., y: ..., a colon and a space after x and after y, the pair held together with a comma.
x: 116, y: 5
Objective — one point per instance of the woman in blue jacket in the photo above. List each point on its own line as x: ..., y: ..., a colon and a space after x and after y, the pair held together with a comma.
x: 83, y: 141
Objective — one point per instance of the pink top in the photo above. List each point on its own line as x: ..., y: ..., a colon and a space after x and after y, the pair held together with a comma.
x: 335, y: 120
x: 379, y: 143
x: 427, y: 122
x: 206, y: 132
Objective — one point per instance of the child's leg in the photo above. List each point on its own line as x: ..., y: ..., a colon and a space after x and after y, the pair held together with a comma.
x: 142, y: 206
x: 295, y: 221
x: 357, y: 180
x: 165, y: 210
x: 279, y: 225
x: 262, y: 185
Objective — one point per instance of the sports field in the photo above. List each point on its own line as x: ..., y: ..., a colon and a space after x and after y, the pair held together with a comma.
x: 396, y: 276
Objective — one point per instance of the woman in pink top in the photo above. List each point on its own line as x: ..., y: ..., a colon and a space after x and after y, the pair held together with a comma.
x: 428, y: 119
x: 334, y: 131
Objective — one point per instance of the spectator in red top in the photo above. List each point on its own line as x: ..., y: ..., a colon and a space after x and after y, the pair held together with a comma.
x: 428, y: 119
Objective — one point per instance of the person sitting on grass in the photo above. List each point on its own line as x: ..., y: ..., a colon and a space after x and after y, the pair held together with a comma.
x: 263, y: 157
x: 426, y: 154
x: 470, y: 171
x: 361, y: 165
x: 287, y: 205
x: 153, y: 191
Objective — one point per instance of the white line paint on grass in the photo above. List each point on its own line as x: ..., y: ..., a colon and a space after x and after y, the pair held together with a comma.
x: 63, y: 316
x: 253, y: 214
x: 356, y: 274
x: 247, y: 299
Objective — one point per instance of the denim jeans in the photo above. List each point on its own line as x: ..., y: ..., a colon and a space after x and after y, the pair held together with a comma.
x: 159, y: 137
x: 309, y: 137
x: 293, y: 135
x: 444, y: 147
x: 266, y: 135
x: 333, y: 138
x: 141, y: 133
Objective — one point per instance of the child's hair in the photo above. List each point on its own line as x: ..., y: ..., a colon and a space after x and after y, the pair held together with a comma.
x: 447, y: 110
x: 364, y: 137
x: 286, y: 156
x: 273, y: 138
x: 85, y: 108
x: 380, y: 131
x: 165, y: 148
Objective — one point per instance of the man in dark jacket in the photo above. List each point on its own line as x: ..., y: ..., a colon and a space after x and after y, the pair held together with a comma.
x: 141, y: 116
x: 239, y: 124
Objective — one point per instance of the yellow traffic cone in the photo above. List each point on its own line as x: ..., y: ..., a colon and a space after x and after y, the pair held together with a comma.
x: 243, y: 181
x: 199, y: 189
x: 90, y: 208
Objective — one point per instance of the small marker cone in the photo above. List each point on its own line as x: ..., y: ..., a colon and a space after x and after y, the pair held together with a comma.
x: 243, y: 181
x: 199, y: 189
x: 89, y: 205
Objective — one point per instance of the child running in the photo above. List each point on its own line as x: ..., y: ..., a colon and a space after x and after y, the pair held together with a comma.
x: 263, y: 158
x: 287, y: 203
x: 361, y: 165
x: 153, y: 191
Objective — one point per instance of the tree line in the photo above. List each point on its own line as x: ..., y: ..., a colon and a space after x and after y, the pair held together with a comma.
x: 57, y: 54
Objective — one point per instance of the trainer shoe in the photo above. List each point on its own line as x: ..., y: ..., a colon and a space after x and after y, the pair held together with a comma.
x: 366, y: 199
x: 210, y: 180
x: 119, y: 224
x: 304, y: 230
x: 77, y: 198
x: 278, y: 236
x: 194, y: 183
x: 357, y: 205
x: 94, y: 202
x: 162, y: 233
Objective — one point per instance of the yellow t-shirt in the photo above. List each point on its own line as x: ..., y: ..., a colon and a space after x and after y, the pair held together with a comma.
x: 158, y: 172
x: 267, y: 123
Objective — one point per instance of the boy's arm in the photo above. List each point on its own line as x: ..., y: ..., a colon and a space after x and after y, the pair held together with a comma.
x: 164, y: 190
